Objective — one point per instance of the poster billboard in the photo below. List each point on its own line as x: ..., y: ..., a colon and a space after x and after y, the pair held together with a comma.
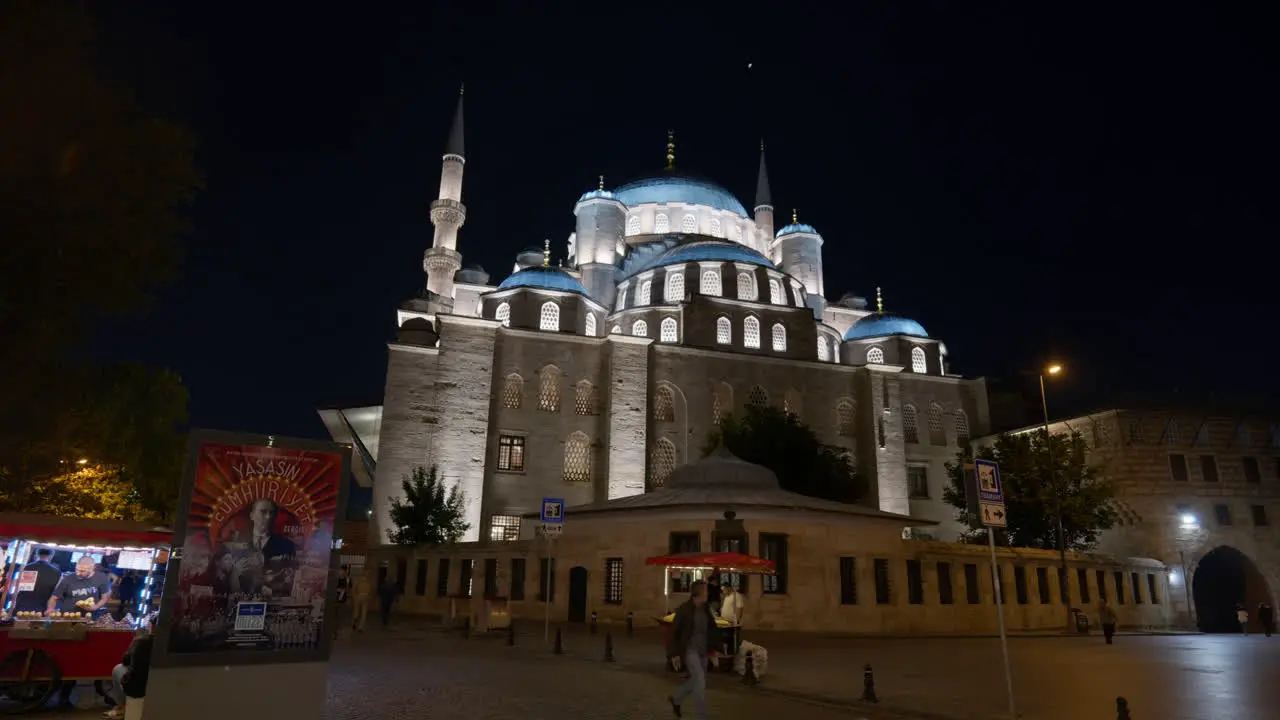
x: 254, y: 567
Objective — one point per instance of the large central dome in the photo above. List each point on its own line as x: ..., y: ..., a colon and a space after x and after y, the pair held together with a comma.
x: 672, y: 188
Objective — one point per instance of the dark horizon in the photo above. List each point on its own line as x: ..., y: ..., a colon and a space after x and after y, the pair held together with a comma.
x: 1030, y: 184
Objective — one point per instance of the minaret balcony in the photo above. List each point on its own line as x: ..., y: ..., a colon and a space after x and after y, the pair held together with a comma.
x: 448, y: 211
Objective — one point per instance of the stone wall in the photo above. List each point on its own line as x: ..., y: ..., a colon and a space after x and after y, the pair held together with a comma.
x: 407, y: 432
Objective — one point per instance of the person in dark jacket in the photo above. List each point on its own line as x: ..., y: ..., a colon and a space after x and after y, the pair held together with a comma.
x: 694, y: 639
x: 387, y: 593
x: 129, y: 678
x: 1267, y: 616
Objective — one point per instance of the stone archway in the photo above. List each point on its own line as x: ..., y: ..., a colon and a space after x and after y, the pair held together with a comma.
x: 1223, y: 578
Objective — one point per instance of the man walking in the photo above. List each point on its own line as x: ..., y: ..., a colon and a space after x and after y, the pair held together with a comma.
x: 1107, y: 619
x: 387, y: 593
x: 694, y: 636
x: 1266, y: 616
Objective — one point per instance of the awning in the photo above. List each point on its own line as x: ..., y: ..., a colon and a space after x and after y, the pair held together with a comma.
x: 725, y: 562
x: 82, y: 531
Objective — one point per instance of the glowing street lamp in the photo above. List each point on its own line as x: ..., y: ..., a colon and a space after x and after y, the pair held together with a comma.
x: 1053, y: 370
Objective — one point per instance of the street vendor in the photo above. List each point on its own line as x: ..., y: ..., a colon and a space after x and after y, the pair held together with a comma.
x: 86, y: 590
x: 47, y: 576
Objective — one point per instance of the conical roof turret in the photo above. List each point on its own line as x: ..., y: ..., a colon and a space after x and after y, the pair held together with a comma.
x: 455, y: 145
x: 763, y: 196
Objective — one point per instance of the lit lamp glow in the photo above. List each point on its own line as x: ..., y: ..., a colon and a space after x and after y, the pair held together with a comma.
x: 1053, y: 369
x: 1188, y: 520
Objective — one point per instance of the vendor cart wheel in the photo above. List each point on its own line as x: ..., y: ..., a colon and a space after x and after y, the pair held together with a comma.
x: 25, y: 694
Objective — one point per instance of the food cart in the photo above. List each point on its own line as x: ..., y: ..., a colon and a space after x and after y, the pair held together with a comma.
x: 699, y: 565
x: 38, y: 654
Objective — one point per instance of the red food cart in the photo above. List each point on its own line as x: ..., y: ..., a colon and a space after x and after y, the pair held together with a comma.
x: 38, y: 654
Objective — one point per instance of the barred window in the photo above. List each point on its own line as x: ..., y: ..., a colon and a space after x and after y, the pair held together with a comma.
x: 779, y: 337
x: 746, y: 286
x: 661, y: 223
x: 504, y: 528
x: 875, y: 356
x: 716, y: 230
x: 549, y: 318
x: 724, y: 331
x: 662, y: 460
x: 549, y: 389
x: 1170, y: 436
x: 675, y: 286
x: 721, y: 402
x: 710, y: 283
x: 751, y: 332
x: 910, y: 424
x: 688, y: 224
x: 503, y: 315
x: 511, y: 453
x: 633, y: 225
x: 613, y: 581
x: 640, y: 328
x: 664, y: 404
x: 646, y: 293
x: 823, y: 353
x: 577, y: 458
x: 918, y: 362
x: 737, y: 232
x: 584, y: 398
x: 617, y: 330
x: 622, y: 297
x: 962, y: 428
x: 757, y: 397
x: 667, y: 330
x: 845, y: 418
x: 775, y: 292
x: 791, y: 402
x: 937, y: 435
x: 795, y: 290
x: 590, y: 325
x: 512, y: 392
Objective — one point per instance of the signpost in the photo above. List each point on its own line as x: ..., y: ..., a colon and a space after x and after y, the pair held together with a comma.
x: 552, y: 526
x: 991, y: 505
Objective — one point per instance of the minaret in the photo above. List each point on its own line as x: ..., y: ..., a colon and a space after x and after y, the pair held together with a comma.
x: 764, y: 206
x: 447, y: 214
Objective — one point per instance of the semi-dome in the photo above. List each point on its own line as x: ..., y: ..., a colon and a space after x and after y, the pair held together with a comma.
x: 722, y: 469
x: 705, y: 251
x: 797, y: 228
x: 546, y: 278
x: 672, y: 188
x: 881, y: 324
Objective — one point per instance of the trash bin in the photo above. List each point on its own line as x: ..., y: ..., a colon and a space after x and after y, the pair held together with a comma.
x: 1082, y: 621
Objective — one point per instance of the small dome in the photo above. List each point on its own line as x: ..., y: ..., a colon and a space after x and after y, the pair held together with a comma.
x: 722, y: 469
x: 473, y: 274
x: 547, y: 278
x: 671, y: 188
x: 881, y: 324
x: 597, y: 194
x: 796, y: 228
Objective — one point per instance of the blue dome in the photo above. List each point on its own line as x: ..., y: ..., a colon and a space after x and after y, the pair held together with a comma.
x: 675, y: 188
x: 796, y: 228
x: 881, y: 324
x: 547, y: 278
x: 705, y: 251
x: 604, y: 194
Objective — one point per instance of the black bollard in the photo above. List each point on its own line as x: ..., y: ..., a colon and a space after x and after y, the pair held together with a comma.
x: 749, y: 671
x: 608, y: 647
x: 466, y: 627
x: 631, y: 623
x: 511, y: 634
x: 868, y: 685
x: 559, y: 648
x: 1122, y: 709
x: 593, y: 622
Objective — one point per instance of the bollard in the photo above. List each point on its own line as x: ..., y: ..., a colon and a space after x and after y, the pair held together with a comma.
x: 608, y: 647
x: 559, y: 648
x: 511, y: 634
x: 466, y: 627
x: 1122, y: 709
x: 593, y: 622
x: 749, y: 671
x: 631, y: 623
x: 868, y: 685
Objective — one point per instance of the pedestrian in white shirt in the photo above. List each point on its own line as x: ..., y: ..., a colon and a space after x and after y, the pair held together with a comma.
x: 731, y: 605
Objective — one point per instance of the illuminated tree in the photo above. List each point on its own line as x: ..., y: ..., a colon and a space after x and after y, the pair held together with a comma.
x: 428, y: 514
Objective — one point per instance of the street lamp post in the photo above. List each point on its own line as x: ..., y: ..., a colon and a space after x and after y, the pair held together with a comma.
x: 1064, y: 582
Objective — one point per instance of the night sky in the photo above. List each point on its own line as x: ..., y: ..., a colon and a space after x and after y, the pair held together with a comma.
x: 1032, y: 181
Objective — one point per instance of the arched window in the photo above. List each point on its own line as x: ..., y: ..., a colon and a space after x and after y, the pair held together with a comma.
x: 503, y: 315
x: 584, y: 398
x: 512, y: 392
x: 724, y: 331
x: 845, y: 417
x: 721, y: 402
x: 795, y: 290
x: 640, y: 328
x: 617, y: 330
x: 775, y: 292
x: 622, y: 297
x: 688, y: 224
x: 875, y: 356
x: 667, y: 330
x: 664, y: 404
x: 661, y: 224
x: 675, y: 286
x: 918, y: 362
x: 823, y: 352
x: 962, y: 428
x: 746, y: 286
x: 937, y: 434
x: 633, y: 225
x: 549, y: 389
x: 590, y: 325
x: 577, y: 458
x: 757, y: 397
x: 549, y: 318
x: 791, y: 402
x: 716, y: 230
x: 662, y: 460
x: 646, y: 292
x: 779, y: 337
x: 710, y: 283
x: 737, y: 232
x: 751, y: 332
x: 910, y: 425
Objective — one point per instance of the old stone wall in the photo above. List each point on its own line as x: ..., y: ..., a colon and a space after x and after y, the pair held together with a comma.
x: 410, y: 417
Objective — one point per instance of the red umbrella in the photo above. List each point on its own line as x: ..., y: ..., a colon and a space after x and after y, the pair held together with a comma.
x: 725, y: 562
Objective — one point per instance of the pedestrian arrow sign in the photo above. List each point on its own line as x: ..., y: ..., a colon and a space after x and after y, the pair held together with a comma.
x: 990, y: 494
x: 993, y: 515
x: 552, y: 510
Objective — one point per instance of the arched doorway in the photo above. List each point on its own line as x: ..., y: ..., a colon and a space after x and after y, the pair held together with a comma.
x: 1224, y: 578
x: 577, y: 594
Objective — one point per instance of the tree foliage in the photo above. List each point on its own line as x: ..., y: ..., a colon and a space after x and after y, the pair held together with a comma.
x: 428, y: 514
x: 1033, y: 488
x: 778, y: 440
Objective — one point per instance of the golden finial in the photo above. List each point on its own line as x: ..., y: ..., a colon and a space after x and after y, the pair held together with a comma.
x: 879, y: 301
x: 601, y: 182
x: 794, y: 217
x: 546, y: 253
x: 671, y: 149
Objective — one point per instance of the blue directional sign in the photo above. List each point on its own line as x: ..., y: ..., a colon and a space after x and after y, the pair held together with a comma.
x: 988, y: 481
x: 553, y: 510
